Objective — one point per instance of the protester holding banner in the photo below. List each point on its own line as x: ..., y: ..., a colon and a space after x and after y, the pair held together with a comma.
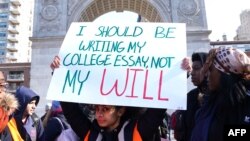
x: 185, y: 118
x: 228, y: 102
x: 112, y: 123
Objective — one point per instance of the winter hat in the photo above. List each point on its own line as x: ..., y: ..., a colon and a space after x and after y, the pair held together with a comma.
x: 56, y: 106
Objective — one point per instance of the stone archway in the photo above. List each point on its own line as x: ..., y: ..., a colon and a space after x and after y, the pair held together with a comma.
x: 53, y: 17
x: 150, y: 10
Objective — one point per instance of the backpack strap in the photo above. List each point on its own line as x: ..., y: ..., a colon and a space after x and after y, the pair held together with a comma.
x: 35, y: 124
x: 35, y: 119
x: 60, y: 123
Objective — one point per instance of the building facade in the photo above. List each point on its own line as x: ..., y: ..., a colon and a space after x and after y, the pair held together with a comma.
x: 52, y: 18
x: 16, y: 74
x: 16, y: 21
x: 243, y: 31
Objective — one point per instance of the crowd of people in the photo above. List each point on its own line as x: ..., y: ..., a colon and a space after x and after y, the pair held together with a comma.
x: 221, y: 97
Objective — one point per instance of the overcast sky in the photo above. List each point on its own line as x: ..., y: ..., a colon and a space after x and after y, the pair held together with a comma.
x: 223, y: 17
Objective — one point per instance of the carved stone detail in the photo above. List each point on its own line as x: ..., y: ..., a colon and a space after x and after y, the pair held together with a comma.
x: 49, y: 12
x: 169, y: 6
x: 49, y: 27
x: 189, y: 12
x: 188, y: 8
x: 47, y: 2
x: 50, y: 17
x: 71, y: 5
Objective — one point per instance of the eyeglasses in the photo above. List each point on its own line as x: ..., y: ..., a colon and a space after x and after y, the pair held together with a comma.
x: 3, y: 86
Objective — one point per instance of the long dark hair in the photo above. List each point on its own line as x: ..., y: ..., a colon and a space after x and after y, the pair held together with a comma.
x: 233, y: 88
x: 229, y: 100
x: 133, y: 112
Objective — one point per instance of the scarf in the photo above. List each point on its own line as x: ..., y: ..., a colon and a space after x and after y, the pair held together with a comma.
x: 14, y: 131
x: 4, y: 118
x: 228, y: 60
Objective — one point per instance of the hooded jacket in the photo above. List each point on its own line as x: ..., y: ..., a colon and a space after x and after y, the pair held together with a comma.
x: 29, y: 130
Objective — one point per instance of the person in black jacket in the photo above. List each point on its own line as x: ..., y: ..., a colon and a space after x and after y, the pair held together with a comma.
x: 54, y: 126
x: 185, y: 118
x: 112, y: 123
x: 228, y: 102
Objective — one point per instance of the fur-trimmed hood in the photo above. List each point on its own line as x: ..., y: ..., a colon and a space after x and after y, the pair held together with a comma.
x: 8, y: 101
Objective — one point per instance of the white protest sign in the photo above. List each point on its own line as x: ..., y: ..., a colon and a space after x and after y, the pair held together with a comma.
x: 132, y: 64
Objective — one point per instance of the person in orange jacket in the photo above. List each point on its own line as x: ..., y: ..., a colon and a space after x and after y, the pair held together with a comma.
x: 112, y: 123
x: 8, y: 128
x: 8, y: 105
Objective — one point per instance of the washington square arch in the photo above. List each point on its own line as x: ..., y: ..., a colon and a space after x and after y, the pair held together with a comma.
x: 52, y: 18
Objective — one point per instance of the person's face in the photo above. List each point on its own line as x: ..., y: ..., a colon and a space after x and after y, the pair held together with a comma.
x: 213, y: 78
x: 195, y: 74
x: 30, y: 109
x: 108, y: 116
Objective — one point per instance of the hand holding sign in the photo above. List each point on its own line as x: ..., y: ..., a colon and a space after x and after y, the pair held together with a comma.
x: 55, y: 63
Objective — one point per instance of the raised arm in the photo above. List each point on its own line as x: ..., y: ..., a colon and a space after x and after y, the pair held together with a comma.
x: 187, y: 65
x: 75, y: 117
x: 149, y: 122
